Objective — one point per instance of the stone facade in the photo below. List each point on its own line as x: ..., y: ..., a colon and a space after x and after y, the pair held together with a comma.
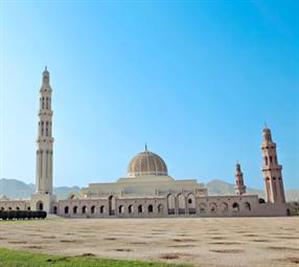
x: 181, y: 205
x: 147, y: 190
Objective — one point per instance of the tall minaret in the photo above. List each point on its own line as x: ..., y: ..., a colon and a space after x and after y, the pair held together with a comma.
x: 240, y: 188
x: 272, y: 170
x: 44, y: 153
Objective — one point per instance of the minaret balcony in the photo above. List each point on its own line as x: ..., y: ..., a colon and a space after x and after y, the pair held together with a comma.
x: 48, y: 140
x: 46, y: 112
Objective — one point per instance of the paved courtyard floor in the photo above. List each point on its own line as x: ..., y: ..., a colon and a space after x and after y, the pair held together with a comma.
x: 199, y: 241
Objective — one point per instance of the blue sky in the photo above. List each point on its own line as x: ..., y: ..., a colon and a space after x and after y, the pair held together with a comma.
x: 194, y: 80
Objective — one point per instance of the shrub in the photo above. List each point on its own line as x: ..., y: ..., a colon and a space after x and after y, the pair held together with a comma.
x: 22, y: 215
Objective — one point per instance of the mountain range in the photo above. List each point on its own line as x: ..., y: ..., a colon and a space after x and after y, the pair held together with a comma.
x: 15, y: 189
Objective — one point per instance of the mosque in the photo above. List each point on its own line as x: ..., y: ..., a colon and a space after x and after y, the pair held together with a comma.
x: 147, y: 190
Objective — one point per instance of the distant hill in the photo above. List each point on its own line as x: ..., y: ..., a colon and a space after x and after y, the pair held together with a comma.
x: 219, y: 187
x: 15, y: 189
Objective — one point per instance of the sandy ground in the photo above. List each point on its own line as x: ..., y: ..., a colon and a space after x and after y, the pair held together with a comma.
x: 201, y: 242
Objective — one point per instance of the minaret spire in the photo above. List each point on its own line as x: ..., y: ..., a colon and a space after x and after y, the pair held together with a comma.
x: 44, y: 153
x: 240, y: 188
x: 272, y: 170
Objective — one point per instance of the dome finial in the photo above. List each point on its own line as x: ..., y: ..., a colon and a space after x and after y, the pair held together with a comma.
x: 145, y: 146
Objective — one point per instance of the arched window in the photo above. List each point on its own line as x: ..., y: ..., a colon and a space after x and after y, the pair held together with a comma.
x: 47, y: 105
x: 9, y: 208
x: 75, y: 210
x: 66, y: 210
x: 150, y: 209
x: 42, y: 128
x: 236, y: 207
x: 271, y: 159
x: 84, y: 209
x: 160, y: 208
x: 17, y: 208
x: 190, y: 201
x: 102, y: 209
x: 28, y: 208
x: 2, y: 208
x: 47, y: 128
x: 92, y: 209
x: 266, y: 160
x: 121, y: 209
x: 55, y: 210
x: 43, y: 103
x: 140, y: 209
x: 130, y: 209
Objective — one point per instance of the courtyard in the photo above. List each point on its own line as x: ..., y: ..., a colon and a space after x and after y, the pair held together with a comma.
x: 196, y: 241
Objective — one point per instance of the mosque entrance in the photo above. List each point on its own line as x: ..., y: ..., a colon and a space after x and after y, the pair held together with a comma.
x: 39, y: 206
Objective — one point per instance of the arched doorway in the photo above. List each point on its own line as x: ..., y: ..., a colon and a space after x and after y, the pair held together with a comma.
x: 111, y: 201
x: 150, y: 209
x: 191, y: 204
x: 130, y: 209
x: 160, y: 209
x: 121, y: 209
x: 39, y: 206
x: 92, y: 209
x: 140, y: 209
x: 66, y: 210
x: 102, y: 209
x: 181, y: 204
x: 171, y: 204
x: 236, y: 207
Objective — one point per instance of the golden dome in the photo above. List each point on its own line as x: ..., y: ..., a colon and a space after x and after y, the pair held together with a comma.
x: 147, y: 163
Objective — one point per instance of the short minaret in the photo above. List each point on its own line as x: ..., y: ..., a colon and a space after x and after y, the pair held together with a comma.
x: 44, y: 153
x: 272, y: 170
x: 240, y: 188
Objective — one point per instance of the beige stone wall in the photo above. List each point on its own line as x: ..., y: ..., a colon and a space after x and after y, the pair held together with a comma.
x: 172, y: 205
x: 15, y: 205
x: 143, y: 186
